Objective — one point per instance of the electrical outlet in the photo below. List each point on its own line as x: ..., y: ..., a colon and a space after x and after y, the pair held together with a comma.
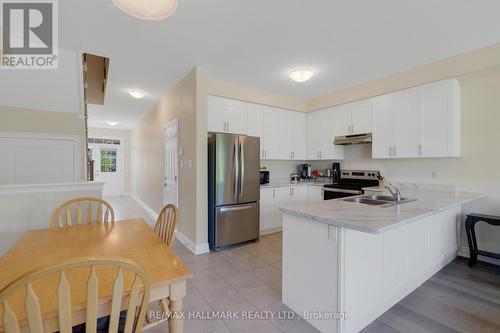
x: 190, y: 164
x: 434, y: 175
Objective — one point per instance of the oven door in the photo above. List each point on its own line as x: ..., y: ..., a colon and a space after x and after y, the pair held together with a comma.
x: 337, y: 193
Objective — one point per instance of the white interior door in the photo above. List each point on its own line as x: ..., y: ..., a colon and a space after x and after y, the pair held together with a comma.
x: 170, y: 185
x: 108, y: 168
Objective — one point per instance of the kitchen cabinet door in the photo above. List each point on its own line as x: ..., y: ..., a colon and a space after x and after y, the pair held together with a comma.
x: 406, y: 123
x: 314, y: 135
x: 267, y: 209
x: 299, y: 194
x: 277, y: 147
x: 282, y: 196
x: 383, y: 126
x: 329, y: 151
x: 342, y: 123
x: 439, y: 113
x: 361, y: 117
x: 314, y: 193
x: 236, y: 116
x: 216, y: 121
x: 255, y: 120
x: 297, y: 134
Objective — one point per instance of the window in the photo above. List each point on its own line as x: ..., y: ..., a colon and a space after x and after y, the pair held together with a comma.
x: 103, y: 141
x: 108, y: 160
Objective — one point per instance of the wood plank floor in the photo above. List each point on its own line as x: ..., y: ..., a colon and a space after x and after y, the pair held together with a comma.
x: 456, y: 299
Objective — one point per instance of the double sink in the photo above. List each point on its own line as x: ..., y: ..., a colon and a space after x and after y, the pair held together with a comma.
x: 377, y: 200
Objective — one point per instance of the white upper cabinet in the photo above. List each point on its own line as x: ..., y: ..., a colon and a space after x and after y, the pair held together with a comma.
x: 418, y: 122
x: 383, y: 126
x: 297, y: 122
x: 354, y: 118
x: 361, y: 117
x: 439, y: 118
x: 321, y: 132
x: 216, y: 121
x: 314, y: 135
x: 226, y: 115
x: 255, y: 120
x: 342, y: 123
x: 405, y: 120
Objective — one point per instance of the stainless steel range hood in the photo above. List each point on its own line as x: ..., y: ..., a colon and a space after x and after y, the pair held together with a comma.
x: 353, y: 139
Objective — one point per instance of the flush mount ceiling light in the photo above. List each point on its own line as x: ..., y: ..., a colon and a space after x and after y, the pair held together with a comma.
x: 112, y: 123
x: 301, y: 74
x: 152, y: 10
x: 136, y: 93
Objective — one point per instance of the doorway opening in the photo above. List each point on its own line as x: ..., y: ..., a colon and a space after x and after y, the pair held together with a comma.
x: 105, y: 155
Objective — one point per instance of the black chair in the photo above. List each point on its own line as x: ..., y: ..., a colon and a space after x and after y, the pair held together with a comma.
x: 470, y: 223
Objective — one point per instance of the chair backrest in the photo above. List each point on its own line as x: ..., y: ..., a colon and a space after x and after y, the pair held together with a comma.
x: 166, y: 222
x: 133, y: 323
x: 64, y: 214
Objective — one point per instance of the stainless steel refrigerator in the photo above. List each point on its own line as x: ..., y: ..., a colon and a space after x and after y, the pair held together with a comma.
x: 233, y: 189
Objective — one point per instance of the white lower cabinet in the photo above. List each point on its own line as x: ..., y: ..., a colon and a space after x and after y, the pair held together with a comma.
x: 315, y: 193
x: 272, y: 198
x: 363, y: 274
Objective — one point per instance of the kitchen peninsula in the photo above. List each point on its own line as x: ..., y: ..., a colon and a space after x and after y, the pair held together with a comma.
x: 358, y: 259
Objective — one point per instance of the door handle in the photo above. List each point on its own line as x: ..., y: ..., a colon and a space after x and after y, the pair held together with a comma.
x: 237, y: 169
x: 232, y: 209
x: 242, y: 175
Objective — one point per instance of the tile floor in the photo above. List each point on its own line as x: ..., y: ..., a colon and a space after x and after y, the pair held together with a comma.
x: 244, y: 278
x: 248, y: 278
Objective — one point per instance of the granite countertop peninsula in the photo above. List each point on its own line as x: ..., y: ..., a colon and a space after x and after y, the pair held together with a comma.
x: 373, y: 219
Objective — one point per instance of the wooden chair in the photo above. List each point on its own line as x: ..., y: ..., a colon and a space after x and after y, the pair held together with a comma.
x: 63, y: 215
x: 164, y: 227
x: 165, y: 224
x: 133, y: 323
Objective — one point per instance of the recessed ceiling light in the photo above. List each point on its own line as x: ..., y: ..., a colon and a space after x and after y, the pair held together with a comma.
x: 136, y: 93
x: 301, y: 74
x: 147, y: 9
x: 112, y: 123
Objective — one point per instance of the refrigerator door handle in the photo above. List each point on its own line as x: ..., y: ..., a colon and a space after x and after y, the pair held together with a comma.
x: 237, y: 169
x: 234, y: 209
x: 242, y: 174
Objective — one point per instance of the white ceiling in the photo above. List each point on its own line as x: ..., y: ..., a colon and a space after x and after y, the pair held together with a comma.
x: 255, y: 43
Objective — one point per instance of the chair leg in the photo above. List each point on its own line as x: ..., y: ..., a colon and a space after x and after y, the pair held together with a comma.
x: 471, y: 239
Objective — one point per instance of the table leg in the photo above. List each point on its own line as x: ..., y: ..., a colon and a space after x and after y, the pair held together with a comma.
x: 176, y: 319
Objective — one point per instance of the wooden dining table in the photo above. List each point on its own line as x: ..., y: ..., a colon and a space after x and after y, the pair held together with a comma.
x: 131, y: 239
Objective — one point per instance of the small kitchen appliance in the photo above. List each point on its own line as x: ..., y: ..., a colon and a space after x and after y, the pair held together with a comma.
x: 306, y: 171
x: 295, y: 178
x: 264, y: 177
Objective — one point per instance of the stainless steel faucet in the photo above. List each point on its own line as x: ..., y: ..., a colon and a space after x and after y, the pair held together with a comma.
x: 396, y: 194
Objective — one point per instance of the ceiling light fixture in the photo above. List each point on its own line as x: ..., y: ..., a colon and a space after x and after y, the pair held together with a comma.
x: 301, y: 74
x: 112, y: 123
x: 136, y: 93
x: 152, y: 10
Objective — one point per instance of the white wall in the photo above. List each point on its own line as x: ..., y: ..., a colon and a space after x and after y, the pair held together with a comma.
x: 28, y: 207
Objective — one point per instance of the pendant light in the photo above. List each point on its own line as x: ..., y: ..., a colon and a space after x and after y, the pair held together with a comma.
x: 152, y: 10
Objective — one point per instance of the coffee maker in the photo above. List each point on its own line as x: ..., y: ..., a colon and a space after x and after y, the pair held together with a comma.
x: 336, y: 173
x: 305, y: 171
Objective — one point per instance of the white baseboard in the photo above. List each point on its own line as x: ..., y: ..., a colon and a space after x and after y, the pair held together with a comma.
x: 464, y: 252
x: 271, y: 231
x: 152, y: 214
x: 195, y: 248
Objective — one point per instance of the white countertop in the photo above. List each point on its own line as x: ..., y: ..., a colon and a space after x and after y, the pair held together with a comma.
x: 286, y: 184
x: 373, y: 219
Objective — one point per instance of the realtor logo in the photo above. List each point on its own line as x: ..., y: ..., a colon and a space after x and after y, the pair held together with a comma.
x: 29, y: 34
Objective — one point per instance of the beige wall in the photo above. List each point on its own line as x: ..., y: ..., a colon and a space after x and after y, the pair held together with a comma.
x: 111, y: 133
x: 234, y: 91
x: 36, y: 121
x: 186, y: 103
x: 470, y: 62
